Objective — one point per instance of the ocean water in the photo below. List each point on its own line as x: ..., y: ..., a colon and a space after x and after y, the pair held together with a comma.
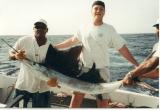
x: 140, y: 46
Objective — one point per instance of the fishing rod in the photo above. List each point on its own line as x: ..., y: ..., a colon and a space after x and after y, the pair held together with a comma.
x: 142, y: 84
x: 9, y: 45
x: 147, y: 86
x: 17, y: 51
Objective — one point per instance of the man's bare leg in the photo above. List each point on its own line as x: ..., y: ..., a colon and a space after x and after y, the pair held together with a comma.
x: 103, y: 103
x: 76, y: 100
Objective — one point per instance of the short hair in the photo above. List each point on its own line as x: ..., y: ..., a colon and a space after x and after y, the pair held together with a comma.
x: 98, y: 2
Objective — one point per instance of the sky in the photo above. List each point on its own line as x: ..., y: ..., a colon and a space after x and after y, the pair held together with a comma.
x: 65, y: 16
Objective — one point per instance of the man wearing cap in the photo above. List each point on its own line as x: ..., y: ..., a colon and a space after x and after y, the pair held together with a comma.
x: 34, y: 48
x: 148, y: 68
x: 97, y: 38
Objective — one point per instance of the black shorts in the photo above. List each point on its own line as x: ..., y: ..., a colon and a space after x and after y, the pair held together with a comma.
x: 38, y: 99
x: 91, y: 76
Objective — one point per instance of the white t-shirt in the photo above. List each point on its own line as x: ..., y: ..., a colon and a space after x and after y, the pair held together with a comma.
x: 96, y: 41
x: 155, y: 46
x: 157, y: 49
x: 27, y: 80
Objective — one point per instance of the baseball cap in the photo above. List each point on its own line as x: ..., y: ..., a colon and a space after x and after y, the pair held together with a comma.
x: 41, y: 21
x: 40, y: 24
x: 156, y: 24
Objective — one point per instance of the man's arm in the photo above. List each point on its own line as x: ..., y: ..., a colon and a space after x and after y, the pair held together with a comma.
x: 68, y: 43
x: 152, y: 74
x: 127, y: 54
x: 143, y: 68
x: 146, y: 67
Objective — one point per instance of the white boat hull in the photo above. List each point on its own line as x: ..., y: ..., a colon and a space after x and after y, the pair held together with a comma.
x: 134, y: 99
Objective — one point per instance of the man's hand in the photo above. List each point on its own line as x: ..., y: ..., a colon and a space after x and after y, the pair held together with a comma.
x: 20, y: 55
x: 53, y: 82
x: 128, y: 80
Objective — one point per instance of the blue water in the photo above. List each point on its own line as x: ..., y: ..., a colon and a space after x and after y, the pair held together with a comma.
x: 140, y: 46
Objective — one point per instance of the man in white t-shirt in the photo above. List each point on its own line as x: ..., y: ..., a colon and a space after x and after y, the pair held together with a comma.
x: 28, y: 83
x: 96, y: 39
x: 149, y: 68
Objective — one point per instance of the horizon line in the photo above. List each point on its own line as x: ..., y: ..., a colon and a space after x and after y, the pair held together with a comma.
x: 67, y: 34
